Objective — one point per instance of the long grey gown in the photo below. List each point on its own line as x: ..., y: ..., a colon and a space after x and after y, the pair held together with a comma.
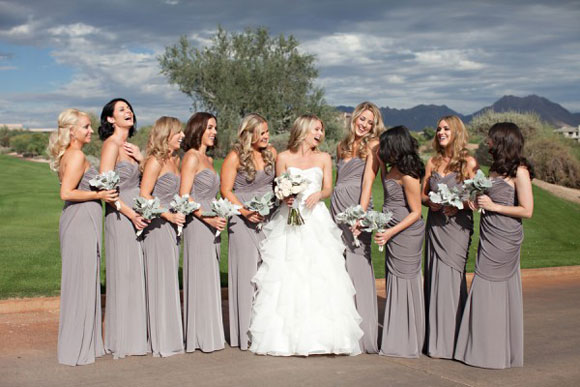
x: 161, y: 255
x: 125, y: 308
x: 359, y: 265
x: 79, y: 334
x: 491, y: 334
x: 244, y: 257
x: 446, y: 251
x: 202, y: 315
x: 404, y: 322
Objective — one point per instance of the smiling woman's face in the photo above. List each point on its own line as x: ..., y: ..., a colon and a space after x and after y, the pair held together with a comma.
x: 122, y: 115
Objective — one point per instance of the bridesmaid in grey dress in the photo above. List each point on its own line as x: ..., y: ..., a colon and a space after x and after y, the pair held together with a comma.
x: 79, y: 335
x: 202, y: 314
x: 125, y: 309
x: 491, y: 334
x: 404, y: 321
x: 448, y: 238
x: 247, y: 171
x: 359, y: 143
x: 160, y: 244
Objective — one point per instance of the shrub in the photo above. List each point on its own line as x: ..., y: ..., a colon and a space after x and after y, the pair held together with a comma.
x: 482, y: 154
x: 553, y: 162
x: 530, y: 123
x: 29, y: 144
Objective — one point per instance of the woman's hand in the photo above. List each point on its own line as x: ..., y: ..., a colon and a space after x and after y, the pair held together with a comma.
x: 133, y: 151
x: 313, y: 199
x: 254, y: 217
x: 356, y: 229
x: 176, y: 218
x: 289, y: 200
x: 485, y: 202
x: 434, y: 206
x: 381, y: 238
x: 472, y: 205
x: 110, y: 196
x: 450, y: 210
x: 138, y: 221
x: 216, y: 222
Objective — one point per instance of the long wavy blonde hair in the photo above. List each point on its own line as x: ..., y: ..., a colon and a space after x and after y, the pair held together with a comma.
x: 60, y: 140
x: 248, y: 135
x: 345, y: 147
x: 458, y: 161
x: 158, y: 142
x: 302, y: 125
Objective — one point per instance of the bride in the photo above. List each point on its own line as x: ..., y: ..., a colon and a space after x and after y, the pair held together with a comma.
x: 304, y: 302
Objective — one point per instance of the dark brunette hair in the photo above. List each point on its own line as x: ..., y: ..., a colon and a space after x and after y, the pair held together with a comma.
x: 507, y: 147
x: 194, y: 130
x: 398, y: 148
x: 106, y: 128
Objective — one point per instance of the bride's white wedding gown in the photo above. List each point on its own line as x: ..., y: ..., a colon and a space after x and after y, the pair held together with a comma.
x: 304, y: 302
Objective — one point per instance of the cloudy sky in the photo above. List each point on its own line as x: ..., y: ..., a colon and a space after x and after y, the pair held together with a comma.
x: 56, y: 54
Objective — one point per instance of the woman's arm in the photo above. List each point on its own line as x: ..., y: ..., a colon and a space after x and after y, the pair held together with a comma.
x: 426, y: 188
x: 228, y: 177
x: 525, y: 207
x: 371, y: 169
x: 73, y: 171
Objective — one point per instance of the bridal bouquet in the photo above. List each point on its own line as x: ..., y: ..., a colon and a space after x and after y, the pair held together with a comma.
x: 376, y: 221
x: 262, y: 205
x: 350, y: 216
x: 182, y: 205
x: 477, y: 186
x: 287, y: 185
x: 148, y: 209
x: 448, y: 197
x: 222, y: 208
x: 107, y: 181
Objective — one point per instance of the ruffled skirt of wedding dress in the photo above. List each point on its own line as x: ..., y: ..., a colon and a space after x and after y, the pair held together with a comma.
x: 304, y: 303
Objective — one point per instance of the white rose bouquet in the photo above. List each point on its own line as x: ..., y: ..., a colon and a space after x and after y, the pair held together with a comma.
x: 148, y: 209
x: 182, y: 205
x: 262, y: 205
x: 350, y: 216
x: 222, y: 208
x: 477, y: 186
x: 107, y: 181
x: 376, y: 221
x: 290, y: 185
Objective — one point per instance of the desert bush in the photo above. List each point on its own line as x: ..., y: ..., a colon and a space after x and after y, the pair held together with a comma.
x: 482, y: 154
x: 29, y: 144
x: 530, y: 123
x: 553, y: 162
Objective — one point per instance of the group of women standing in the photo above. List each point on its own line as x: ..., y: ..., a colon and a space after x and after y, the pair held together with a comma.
x: 143, y: 309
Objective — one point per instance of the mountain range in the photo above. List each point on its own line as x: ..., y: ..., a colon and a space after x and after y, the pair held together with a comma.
x: 421, y: 116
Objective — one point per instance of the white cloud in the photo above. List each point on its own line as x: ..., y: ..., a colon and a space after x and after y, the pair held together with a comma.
x: 341, y: 49
x: 451, y: 59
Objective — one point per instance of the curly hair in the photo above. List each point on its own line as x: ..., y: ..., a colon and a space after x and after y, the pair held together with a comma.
x: 345, y: 147
x: 458, y: 162
x: 507, y: 147
x: 60, y: 139
x: 300, y: 129
x: 106, y: 129
x: 194, y: 130
x: 158, y: 142
x: 398, y: 148
x: 249, y: 134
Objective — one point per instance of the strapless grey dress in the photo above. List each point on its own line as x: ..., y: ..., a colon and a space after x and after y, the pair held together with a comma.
x: 491, y: 334
x: 80, y: 337
x: 404, y: 322
x: 125, y: 308
x: 244, y: 257
x: 202, y: 315
x: 161, y: 255
x: 446, y: 251
x: 359, y: 264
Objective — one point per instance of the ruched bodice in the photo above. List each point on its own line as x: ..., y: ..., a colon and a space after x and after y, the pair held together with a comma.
x: 314, y: 176
x: 165, y: 188
x: 396, y: 202
x: 350, y: 173
x: 206, y: 185
x: 262, y: 183
x: 85, y: 186
x: 501, y: 236
x: 129, y: 181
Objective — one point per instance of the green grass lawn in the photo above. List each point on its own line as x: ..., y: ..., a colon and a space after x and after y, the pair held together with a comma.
x: 30, y: 208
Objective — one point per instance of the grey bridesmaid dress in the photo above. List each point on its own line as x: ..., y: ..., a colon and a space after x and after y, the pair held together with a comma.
x: 202, y: 315
x: 125, y: 308
x: 446, y: 251
x: 359, y: 265
x: 161, y: 256
x: 244, y: 257
x: 79, y: 333
x: 491, y: 334
x: 404, y: 322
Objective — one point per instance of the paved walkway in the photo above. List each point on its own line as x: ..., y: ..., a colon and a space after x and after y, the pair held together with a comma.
x: 552, y: 355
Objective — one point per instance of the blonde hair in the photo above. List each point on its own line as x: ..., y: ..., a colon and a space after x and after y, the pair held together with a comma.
x: 60, y: 140
x: 249, y: 134
x: 345, y: 147
x: 302, y: 125
x: 158, y: 142
x: 458, y: 162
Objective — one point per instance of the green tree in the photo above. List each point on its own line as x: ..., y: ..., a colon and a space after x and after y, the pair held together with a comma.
x: 242, y: 73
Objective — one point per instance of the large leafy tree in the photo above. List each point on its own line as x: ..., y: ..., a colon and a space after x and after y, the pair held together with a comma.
x: 242, y: 73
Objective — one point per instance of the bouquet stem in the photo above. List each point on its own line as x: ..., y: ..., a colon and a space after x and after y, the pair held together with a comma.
x: 295, y: 218
x: 179, y: 229
x: 356, y: 241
